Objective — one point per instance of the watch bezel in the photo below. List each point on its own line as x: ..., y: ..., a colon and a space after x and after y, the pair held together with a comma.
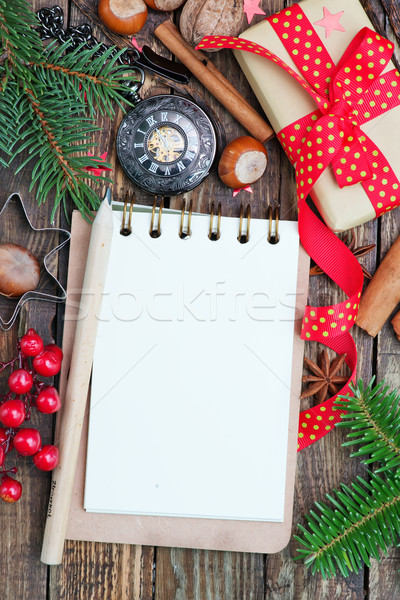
x: 193, y: 174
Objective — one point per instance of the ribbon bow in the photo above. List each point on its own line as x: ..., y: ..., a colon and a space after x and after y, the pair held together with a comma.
x: 356, y: 94
x: 347, y: 95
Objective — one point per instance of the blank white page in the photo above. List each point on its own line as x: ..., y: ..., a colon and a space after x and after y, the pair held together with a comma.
x: 191, y: 378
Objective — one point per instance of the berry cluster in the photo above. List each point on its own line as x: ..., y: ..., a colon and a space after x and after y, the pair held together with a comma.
x: 27, y: 391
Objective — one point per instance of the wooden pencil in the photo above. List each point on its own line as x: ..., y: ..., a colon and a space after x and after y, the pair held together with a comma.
x: 78, y: 384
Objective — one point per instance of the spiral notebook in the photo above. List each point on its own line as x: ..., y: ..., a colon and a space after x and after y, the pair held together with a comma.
x: 195, y: 385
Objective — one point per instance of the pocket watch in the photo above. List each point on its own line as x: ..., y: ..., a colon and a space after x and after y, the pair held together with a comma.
x: 166, y: 145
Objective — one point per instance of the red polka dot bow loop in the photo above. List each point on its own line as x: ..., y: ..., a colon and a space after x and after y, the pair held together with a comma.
x: 333, y: 132
x: 346, y: 96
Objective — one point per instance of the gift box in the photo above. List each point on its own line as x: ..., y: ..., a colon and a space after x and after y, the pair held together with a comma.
x: 362, y: 181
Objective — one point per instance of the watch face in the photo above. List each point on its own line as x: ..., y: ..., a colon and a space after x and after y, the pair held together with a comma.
x: 166, y: 145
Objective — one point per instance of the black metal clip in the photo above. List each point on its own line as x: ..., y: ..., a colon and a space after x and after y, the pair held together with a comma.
x: 151, y: 61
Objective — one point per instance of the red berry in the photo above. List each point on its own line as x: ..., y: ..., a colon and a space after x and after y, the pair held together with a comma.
x: 56, y: 349
x: 20, y: 381
x: 10, y: 489
x: 3, y: 435
x: 2, y: 455
x: 27, y: 441
x: 47, y: 363
x: 48, y: 401
x: 47, y: 458
x: 12, y: 413
x: 31, y: 343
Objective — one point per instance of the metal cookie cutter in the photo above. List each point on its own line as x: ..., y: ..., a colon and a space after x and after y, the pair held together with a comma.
x: 44, y: 244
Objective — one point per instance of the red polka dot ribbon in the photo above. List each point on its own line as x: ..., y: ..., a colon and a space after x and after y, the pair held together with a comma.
x: 349, y: 95
x: 346, y: 95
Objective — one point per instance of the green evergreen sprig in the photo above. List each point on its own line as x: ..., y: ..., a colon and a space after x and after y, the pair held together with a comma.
x: 363, y: 518
x: 48, y: 100
x: 373, y: 415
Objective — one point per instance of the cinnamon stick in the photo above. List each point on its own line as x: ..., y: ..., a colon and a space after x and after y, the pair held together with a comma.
x: 382, y: 294
x: 212, y: 79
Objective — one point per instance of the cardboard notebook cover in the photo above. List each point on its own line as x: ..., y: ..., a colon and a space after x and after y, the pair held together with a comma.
x: 213, y: 534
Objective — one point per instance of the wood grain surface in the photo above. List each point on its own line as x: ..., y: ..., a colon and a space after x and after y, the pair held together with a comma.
x: 93, y: 571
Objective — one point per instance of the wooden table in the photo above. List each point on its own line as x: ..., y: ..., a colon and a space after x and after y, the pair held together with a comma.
x: 121, y: 572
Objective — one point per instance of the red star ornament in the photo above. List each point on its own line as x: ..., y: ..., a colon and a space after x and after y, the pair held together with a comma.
x: 97, y: 171
x: 84, y: 97
x: 251, y: 8
x: 246, y: 189
x: 135, y: 44
x: 330, y: 22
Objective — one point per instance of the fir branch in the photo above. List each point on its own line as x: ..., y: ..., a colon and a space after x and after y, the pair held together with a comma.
x: 373, y: 416
x: 56, y: 138
x: 11, y: 120
x: 364, y: 521
x: 49, y: 133
x: 99, y: 79
x: 69, y: 73
x: 16, y: 18
x: 44, y: 96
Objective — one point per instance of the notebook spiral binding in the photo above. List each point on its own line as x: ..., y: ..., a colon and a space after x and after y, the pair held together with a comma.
x: 155, y: 232
x: 243, y: 238
x: 126, y: 228
x: 273, y: 228
x: 185, y: 232
x: 214, y: 234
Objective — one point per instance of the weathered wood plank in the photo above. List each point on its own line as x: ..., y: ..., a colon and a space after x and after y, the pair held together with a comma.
x: 195, y: 575
x: 384, y: 576
x: 93, y: 570
x: 393, y: 12
x: 22, y: 524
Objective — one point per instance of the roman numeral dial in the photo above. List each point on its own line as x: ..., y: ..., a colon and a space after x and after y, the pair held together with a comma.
x: 169, y: 140
x: 166, y: 143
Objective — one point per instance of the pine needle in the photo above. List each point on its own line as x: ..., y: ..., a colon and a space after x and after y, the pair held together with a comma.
x: 362, y: 519
x: 49, y: 98
x: 373, y: 416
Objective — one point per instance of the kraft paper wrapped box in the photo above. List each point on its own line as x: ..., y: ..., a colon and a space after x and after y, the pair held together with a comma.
x: 285, y: 102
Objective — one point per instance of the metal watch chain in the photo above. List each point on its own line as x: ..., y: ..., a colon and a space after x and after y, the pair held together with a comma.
x: 52, y: 26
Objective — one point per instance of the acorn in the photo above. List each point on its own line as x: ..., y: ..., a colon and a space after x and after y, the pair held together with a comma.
x: 242, y: 162
x: 125, y: 17
x: 19, y: 270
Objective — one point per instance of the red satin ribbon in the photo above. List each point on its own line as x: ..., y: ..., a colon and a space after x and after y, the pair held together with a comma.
x: 347, y: 95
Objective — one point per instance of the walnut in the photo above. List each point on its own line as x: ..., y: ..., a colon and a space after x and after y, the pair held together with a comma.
x: 201, y: 18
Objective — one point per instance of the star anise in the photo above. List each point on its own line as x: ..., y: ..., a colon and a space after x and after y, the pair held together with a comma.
x: 350, y: 242
x: 323, y: 376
